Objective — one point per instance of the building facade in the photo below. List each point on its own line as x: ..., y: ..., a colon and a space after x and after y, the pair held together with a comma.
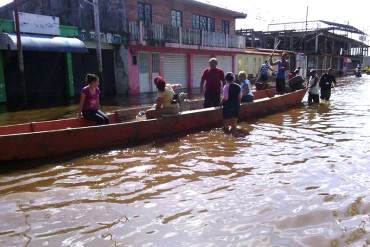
x: 54, y: 68
x: 141, y: 40
x: 176, y: 39
x: 326, y: 44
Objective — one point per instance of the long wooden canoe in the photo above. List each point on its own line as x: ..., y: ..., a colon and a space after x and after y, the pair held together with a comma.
x: 56, y: 139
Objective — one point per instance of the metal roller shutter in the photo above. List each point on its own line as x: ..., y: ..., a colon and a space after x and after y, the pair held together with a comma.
x: 199, y: 64
x: 174, y: 69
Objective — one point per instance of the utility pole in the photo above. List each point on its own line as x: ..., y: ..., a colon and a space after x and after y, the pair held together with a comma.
x: 98, y: 37
x: 305, y: 32
x: 20, y: 53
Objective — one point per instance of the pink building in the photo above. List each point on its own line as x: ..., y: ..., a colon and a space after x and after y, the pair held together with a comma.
x: 176, y: 38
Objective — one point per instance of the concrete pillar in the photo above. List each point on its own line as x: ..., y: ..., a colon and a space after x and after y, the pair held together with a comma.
x: 121, y: 62
x: 190, y: 70
x: 333, y: 51
x: 234, y: 64
x: 291, y: 43
x: 69, y: 83
x: 317, y: 44
x: 2, y: 80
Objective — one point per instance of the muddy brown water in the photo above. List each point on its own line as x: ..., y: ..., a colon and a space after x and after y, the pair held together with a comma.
x: 301, y: 178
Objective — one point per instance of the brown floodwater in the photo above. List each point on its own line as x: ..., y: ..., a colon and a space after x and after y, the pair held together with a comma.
x: 301, y: 178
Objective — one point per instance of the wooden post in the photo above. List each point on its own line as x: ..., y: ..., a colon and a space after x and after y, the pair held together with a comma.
x: 20, y: 55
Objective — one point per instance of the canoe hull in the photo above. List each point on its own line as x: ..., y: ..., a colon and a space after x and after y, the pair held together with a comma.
x: 58, y: 143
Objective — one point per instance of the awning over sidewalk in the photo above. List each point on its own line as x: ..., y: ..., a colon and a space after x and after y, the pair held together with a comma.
x: 42, y: 43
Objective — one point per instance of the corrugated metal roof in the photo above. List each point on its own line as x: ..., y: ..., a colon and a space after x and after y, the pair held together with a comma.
x: 42, y: 43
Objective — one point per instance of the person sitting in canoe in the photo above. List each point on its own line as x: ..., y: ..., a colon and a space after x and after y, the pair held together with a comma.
x: 247, y: 94
x: 166, y: 103
x: 231, y: 98
x: 90, y: 101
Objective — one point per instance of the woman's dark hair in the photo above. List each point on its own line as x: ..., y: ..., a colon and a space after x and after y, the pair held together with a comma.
x: 160, y: 83
x: 91, y: 78
x: 229, y: 77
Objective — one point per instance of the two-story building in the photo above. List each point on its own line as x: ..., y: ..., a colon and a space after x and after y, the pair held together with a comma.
x: 141, y: 39
x: 176, y: 38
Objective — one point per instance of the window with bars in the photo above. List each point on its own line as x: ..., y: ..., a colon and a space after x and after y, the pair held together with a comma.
x: 204, y: 23
x: 176, y: 18
x: 225, y: 26
x: 211, y: 24
x: 195, y: 21
x: 144, y: 12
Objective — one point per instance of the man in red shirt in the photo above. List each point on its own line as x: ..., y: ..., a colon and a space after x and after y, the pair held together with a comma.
x: 212, y: 81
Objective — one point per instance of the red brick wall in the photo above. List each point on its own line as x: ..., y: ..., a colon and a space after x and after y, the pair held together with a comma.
x: 161, y: 13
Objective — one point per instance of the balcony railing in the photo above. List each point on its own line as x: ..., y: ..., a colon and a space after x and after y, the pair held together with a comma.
x: 160, y: 34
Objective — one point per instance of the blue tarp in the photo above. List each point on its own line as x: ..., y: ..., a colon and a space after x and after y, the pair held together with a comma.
x: 32, y: 42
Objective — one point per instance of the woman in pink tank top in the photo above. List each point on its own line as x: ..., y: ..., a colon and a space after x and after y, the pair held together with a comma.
x: 90, y: 101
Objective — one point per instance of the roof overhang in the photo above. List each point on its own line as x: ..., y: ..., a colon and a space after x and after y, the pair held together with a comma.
x: 235, y: 14
x: 43, y: 43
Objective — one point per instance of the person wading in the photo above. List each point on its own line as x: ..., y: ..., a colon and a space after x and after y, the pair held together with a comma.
x: 212, y: 80
x: 231, y: 98
x: 313, y: 88
x: 327, y: 81
x: 90, y: 101
x: 283, y: 67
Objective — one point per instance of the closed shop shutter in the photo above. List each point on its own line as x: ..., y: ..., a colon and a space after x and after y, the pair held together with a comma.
x: 175, y: 69
x: 225, y: 63
x: 199, y: 64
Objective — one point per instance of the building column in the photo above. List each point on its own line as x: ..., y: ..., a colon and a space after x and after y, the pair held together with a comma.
x: 69, y: 83
x: 190, y: 71
x: 2, y: 80
x: 317, y: 44
x: 233, y: 64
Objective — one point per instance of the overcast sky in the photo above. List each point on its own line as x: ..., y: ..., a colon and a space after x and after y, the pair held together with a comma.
x: 262, y: 12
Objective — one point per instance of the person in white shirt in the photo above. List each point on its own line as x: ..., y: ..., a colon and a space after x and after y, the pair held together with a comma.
x: 313, y: 88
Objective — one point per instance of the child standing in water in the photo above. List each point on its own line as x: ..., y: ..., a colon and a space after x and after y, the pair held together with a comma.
x: 231, y: 98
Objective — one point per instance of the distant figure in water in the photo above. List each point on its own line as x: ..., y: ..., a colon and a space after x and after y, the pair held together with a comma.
x: 313, y: 88
x: 327, y: 81
x: 167, y: 102
x: 231, y: 98
x: 90, y: 101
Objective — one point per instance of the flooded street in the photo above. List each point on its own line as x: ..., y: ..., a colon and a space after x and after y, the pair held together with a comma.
x: 301, y: 178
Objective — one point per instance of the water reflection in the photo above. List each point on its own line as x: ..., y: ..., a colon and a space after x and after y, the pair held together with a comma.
x: 299, y: 179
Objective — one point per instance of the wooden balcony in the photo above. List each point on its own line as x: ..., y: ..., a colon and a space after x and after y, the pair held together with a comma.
x: 155, y: 34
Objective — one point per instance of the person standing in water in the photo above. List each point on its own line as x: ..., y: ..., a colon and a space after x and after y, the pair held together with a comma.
x: 313, y: 88
x: 231, y: 98
x: 327, y: 81
x: 283, y: 67
x: 90, y: 101
x: 211, y: 83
